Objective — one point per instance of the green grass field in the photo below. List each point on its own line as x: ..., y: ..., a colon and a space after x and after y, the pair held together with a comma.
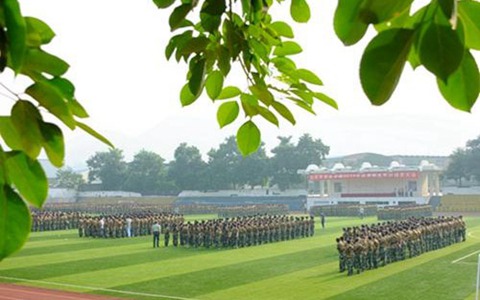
x: 298, y: 269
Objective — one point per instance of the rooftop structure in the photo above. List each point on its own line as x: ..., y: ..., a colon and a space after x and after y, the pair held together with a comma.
x: 371, y: 184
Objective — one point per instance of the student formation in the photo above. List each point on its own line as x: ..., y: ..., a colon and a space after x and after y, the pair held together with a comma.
x: 360, y: 248
x: 371, y: 246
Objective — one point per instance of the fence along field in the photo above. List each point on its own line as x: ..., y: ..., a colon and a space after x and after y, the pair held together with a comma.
x: 297, y: 269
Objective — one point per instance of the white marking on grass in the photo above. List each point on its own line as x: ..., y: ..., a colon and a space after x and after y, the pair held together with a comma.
x: 463, y: 257
x: 472, y: 236
x: 96, y: 288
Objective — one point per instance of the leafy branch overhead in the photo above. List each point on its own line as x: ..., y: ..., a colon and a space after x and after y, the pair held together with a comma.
x: 24, y: 131
x: 214, y: 36
x: 439, y: 36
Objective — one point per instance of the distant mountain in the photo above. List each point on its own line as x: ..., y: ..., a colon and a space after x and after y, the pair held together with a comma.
x: 355, y: 160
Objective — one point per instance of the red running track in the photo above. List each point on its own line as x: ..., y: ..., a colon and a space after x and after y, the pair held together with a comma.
x: 19, y: 292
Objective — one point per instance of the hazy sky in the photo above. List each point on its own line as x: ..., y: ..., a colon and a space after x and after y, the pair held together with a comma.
x: 116, y: 52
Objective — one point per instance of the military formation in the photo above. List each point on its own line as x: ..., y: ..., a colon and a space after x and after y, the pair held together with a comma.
x: 239, y: 231
x: 369, y: 247
x: 250, y: 210
x: 344, y: 210
x: 402, y: 212
x: 121, y: 226
x: 54, y: 220
x: 110, y: 208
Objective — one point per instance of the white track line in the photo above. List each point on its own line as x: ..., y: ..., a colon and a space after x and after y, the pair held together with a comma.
x: 463, y: 257
x: 95, y: 288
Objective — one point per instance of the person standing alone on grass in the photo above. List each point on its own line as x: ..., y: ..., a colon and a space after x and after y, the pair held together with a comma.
x: 322, y: 220
x: 156, y: 234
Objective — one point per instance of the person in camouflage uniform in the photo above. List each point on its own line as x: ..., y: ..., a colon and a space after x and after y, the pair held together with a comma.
x: 367, y: 247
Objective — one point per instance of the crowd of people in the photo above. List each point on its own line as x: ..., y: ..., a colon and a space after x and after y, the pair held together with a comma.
x: 344, y: 210
x: 238, y: 232
x: 402, y: 212
x: 250, y: 210
x: 129, y: 225
x: 54, y: 220
x: 367, y: 247
x: 110, y: 208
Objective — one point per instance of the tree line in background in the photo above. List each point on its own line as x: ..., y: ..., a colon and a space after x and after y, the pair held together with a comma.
x: 465, y: 163
x: 226, y: 168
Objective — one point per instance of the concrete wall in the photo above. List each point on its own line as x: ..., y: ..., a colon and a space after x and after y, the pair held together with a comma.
x: 58, y: 195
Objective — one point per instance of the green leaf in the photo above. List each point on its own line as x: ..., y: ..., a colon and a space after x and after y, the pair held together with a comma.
x: 347, y: 23
x: 10, y: 134
x: 16, y: 33
x: 15, y: 222
x: 223, y: 62
x: 214, y: 7
x: 262, y: 93
x: 282, y: 29
x: 229, y: 92
x: 178, y: 16
x: 382, y: 63
x: 308, y: 76
x: 38, y: 32
x: 25, y: 118
x: 413, y: 58
x: 214, y: 84
x: 52, y: 99
x: 287, y: 48
x: 440, y: 49
x: 248, y: 138
x: 186, y: 96
x: 398, y: 21
x: 284, y: 112
x: 249, y: 104
x: 53, y: 143
x: 210, y: 22
x: 326, y: 99
x: 197, y: 78
x: 67, y: 89
x: 463, y: 86
x: 227, y: 113
x: 93, y: 133
x: 28, y: 177
x: 302, y: 104
x: 469, y: 14
x: 284, y: 64
x: 3, y: 50
x: 259, y: 49
x: 377, y: 11
x: 447, y: 7
x: 38, y: 61
x: 77, y: 109
x: 300, y: 11
x: 194, y: 45
x: 163, y: 3
x: 64, y: 86
x: 305, y: 95
x: 268, y: 115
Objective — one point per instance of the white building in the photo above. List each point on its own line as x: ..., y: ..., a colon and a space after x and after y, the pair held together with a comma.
x: 397, y: 184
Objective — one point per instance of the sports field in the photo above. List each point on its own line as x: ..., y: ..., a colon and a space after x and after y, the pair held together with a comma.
x: 298, y: 269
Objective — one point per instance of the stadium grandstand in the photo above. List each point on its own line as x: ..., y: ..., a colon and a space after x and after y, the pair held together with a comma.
x: 372, y: 185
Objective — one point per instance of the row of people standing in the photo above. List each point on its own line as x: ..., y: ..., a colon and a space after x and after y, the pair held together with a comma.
x: 401, y: 212
x: 120, y: 226
x: 55, y: 220
x: 368, y: 247
x: 238, y: 232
